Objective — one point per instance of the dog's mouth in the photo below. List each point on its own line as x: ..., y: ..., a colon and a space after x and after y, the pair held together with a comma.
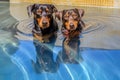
x: 71, y: 25
x: 71, y: 28
x: 44, y: 26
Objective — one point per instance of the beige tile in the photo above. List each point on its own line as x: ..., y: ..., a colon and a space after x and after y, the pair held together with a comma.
x: 106, y: 3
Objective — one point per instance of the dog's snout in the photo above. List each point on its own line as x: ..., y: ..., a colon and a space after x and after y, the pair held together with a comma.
x: 44, y: 22
x: 71, y: 25
x: 70, y: 17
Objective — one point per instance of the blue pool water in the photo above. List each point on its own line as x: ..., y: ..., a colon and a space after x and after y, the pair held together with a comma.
x: 97, y: 64
x: 99, y: 50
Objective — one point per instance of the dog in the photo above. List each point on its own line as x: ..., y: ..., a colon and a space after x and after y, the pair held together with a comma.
x: 72, y: 23
x: 45, y: 25
x: 72, y: 26
x: 44, y: 33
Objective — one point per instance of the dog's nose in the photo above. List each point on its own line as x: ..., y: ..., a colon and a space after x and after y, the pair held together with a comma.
x: 44, y: 22
x: 71, y: 25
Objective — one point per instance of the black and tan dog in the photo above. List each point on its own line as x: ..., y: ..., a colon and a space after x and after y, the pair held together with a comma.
x: 45, y: 25
x: 71, y: 29
x: 72, y: 23
x: 44, y: 34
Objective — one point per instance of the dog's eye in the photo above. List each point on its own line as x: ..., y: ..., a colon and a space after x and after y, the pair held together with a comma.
x: 39, y: 11
x: 66, y: 17
x: 47, y: 10
x: 74, y: 16
x: 38, y: 16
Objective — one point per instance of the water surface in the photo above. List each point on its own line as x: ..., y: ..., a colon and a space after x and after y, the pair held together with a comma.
x: 99, y: 48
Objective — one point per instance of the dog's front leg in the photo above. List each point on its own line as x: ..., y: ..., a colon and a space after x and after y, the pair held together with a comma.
x: 74, y: 34
x: 40, y: 38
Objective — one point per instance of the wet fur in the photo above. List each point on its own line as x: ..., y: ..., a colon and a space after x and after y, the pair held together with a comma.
x: 44, y: 39
x: 41, y: 33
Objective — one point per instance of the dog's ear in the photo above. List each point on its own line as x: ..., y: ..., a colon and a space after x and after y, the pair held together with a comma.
x: 30, y: 9
x: 58, y: 15
x: 81, y: 12
x: 54, y: 9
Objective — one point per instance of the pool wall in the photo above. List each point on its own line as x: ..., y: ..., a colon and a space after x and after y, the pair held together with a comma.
x: 95, y: 3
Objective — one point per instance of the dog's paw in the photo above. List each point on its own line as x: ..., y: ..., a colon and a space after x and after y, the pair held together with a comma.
x: 42, y: 41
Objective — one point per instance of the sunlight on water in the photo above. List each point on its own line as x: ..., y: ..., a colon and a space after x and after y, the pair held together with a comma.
x: 21, y: 67
x: 85, y: 71
x: 60, y: 76
x: 69, y: 72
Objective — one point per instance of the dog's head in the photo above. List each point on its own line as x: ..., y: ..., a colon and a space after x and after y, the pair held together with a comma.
x: 42, y: 14
x: 70, y: 18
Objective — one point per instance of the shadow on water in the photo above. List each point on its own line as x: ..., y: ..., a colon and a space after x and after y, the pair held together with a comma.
x: 20, y: 57
x: 44, y: 57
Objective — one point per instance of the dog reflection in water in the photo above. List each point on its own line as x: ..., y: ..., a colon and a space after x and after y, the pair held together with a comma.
x: 70, y: 52
x: 44, y: 62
